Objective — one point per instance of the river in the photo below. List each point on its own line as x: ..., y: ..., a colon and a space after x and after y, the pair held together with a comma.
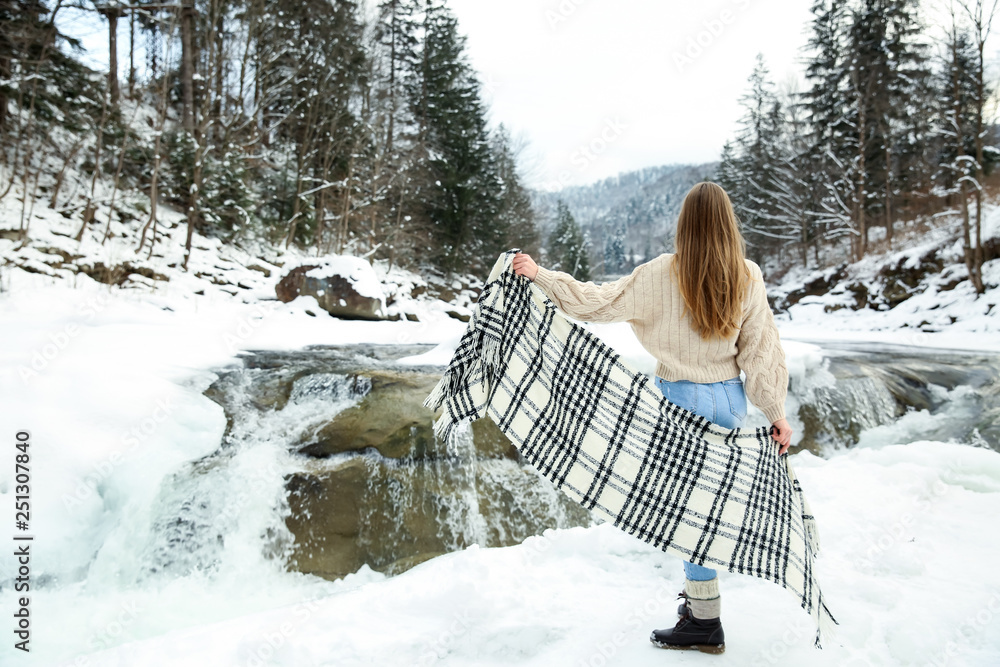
x: 329, y: 462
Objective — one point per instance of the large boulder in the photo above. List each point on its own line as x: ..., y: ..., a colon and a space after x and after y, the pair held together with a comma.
x: 344, y: 286
x: 392, y: 419
x: 393, y: 515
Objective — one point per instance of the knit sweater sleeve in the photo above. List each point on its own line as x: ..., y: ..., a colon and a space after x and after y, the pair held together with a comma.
x: 609, y: 302
x: 760, y: 355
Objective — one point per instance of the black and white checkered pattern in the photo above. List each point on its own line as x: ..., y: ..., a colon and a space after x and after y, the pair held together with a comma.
x: 605, y: 435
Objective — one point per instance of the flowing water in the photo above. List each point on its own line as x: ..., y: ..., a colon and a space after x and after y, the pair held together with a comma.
x: 859, y: 390
x: 329, y: 461
x: 347, y: 471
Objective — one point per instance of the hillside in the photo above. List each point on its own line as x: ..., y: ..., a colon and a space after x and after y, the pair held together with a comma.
x: 639, y: 207
x: 918, y: 293
x: 920, y: 287
x: 237, y: 273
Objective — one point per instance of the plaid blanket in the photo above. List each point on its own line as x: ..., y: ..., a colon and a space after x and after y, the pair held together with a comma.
x: 608, y: 438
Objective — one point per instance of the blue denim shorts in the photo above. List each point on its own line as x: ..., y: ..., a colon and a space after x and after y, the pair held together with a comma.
x: 724, y: 403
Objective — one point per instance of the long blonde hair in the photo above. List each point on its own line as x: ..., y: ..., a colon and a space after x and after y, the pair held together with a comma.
x: 709, y: 265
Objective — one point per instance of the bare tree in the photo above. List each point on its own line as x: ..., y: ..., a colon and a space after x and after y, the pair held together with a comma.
x: 981, y: 15
x: 161, y: 118
x: 112, y: 12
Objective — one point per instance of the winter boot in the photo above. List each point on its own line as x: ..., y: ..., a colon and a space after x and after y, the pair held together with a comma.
x: 699, y: 627
x: 690, y: 633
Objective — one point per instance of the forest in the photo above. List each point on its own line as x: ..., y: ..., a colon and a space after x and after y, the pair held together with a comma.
x: 361, y: 128
x: 333, y: 126
x: 893, y: 125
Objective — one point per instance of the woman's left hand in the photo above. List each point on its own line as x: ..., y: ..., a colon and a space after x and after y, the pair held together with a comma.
x: 782, y: 435
x: 524, y: 266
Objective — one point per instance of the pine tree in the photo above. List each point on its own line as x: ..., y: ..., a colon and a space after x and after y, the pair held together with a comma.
x: 398, y: 35
x: 614, y: 251
x: 964, y: 158
x: 955, y: 112
x: 752, y: 169
x: 886, y: 69
x: 798, y: 188
x: 464, y: 198
x: 568, y: 245
x: 910, y: 96
x: 311, y: 66
x: 830, y: 138
x: 516, y: 216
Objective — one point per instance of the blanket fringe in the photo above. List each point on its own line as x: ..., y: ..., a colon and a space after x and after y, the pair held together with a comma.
x: 443, y: 427
x: 444, y: 389
x: 490, y: 356
x: 825, y: 623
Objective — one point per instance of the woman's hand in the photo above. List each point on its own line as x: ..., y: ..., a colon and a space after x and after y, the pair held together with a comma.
x: 782, y: 435
x: 525, y: 266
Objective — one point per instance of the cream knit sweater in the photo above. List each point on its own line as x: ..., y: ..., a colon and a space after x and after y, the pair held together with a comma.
x: 650, y: 300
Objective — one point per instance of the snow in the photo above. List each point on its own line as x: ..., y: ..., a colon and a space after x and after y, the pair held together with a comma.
x: 936, y: 316
x: 116, y: 407
x: 439, y: 355
x: 356, y: 270
x: 109, y: 383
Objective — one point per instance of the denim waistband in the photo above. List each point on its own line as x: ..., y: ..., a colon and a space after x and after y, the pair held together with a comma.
x: 735, y: 380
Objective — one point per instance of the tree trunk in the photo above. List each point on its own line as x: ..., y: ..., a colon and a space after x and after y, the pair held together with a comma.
x: 187, y: 65
x: 219, y: 71
x: 62, y: 174
x: 970, y: 263
x: 977, y: 251
x: 131, y: 55
x: 347, y: 203
x: 90, y: 208
x: 861, y: 245
x: 112, y: 15
x: 392, y: 80
x: 4, y: 74
x: 157, y: 147
x: 888, y: 192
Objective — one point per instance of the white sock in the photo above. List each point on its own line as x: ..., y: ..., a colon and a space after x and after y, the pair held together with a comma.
x: 703, y: 596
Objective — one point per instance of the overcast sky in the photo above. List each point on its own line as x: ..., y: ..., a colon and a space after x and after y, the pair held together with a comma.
x: 597, y: 87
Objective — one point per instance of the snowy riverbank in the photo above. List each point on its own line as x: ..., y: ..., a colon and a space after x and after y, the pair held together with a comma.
x: 118, y: 406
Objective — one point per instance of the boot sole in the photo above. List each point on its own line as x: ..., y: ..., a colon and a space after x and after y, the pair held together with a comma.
x: 714, y: 649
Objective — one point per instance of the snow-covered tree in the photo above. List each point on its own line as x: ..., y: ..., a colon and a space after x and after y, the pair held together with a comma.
x: 568, y: 245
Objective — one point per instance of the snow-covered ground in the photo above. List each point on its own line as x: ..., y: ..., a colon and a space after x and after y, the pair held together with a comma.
x: 108, y: 381
x: 909, y: 532
x: 938, y: 314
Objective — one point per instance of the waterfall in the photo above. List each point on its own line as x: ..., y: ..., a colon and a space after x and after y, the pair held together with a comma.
x: 274, y: 495
x: 225, y: 511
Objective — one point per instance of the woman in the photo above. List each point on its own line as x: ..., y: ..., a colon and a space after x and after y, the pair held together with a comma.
x: 702, y: 312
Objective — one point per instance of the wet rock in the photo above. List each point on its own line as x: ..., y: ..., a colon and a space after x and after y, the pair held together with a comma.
x: 289, y: 287
x: 393, y: 515
x: 390, y: 419
x: 393, y: 420
x: 817, y: 287
x: 118, y: 274
x: 904, y: 278
x: 325, y: 519
x: 334, y: 293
